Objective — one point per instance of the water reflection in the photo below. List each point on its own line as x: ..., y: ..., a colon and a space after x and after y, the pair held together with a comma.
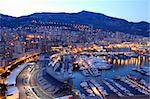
x: 138, y: 61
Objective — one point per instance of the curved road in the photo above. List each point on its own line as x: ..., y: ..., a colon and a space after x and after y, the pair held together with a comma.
x: 27, y: 85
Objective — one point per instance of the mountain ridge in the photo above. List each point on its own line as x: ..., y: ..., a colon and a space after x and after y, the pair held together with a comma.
x: 97, y: 20
x: 83, y: 11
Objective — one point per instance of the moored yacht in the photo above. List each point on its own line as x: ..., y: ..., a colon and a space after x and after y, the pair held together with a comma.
x: 60, y: 67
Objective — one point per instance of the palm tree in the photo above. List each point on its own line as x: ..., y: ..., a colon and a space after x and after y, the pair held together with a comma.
x: 3, y: 89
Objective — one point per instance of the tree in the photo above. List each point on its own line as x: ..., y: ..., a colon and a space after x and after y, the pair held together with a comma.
x: 3, y: 89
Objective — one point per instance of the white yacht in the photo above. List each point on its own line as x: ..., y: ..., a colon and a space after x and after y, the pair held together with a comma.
x: 60, y: 67
x: 93, y: 62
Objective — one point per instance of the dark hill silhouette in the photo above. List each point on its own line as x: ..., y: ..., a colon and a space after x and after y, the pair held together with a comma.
x: 97, y: 20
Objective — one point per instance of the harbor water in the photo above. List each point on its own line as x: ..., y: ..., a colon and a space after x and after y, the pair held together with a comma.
x: 120, y: 67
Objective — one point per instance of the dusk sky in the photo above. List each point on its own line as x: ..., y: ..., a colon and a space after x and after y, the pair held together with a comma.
x: 131, y: 10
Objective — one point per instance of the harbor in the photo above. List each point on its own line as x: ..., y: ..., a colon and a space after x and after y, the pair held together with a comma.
x: 89, y: 76
x: 122, y: 85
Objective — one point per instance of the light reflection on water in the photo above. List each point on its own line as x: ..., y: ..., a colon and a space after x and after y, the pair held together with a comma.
x: 121, y: 67
x: 137, y: 61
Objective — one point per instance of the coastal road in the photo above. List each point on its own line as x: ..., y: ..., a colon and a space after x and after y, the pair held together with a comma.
x: 37, y: 88
x: 20, y: 86
x: 28, y: 87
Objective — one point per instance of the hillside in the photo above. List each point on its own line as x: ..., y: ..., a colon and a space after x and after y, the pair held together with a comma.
x: 97, y: 20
